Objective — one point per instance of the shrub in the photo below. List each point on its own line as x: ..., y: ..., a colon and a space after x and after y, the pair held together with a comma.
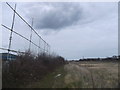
x: 28, y: 68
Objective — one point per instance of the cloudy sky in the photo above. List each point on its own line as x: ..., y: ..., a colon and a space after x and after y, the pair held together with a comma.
x: 73, y: 30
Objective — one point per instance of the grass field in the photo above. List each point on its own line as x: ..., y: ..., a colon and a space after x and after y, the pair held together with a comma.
x: 83, y: 74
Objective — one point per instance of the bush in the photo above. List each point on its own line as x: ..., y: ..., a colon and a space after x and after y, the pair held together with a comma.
x: 28, y: 68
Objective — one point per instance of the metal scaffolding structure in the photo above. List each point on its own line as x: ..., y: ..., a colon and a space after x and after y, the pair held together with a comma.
x: 45, y: 48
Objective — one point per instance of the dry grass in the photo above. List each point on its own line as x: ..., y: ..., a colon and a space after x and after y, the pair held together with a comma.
x: 92, y: 74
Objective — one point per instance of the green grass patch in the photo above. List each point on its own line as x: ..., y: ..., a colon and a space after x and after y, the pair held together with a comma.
x: 49, y: 81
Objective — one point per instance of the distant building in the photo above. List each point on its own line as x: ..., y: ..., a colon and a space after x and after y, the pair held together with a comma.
x: 6, y: 56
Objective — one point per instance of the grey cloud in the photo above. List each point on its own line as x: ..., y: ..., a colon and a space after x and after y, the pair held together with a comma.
x: 95, y: 27
x: 56, y: 15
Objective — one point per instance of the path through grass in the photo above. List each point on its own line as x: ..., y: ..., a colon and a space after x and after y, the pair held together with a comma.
x: 81, y: 75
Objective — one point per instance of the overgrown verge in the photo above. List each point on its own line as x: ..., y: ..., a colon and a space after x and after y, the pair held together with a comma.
x: 28, y: 68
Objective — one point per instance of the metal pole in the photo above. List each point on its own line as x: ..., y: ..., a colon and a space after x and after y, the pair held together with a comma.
x: 31, y: 36
x: 10, y: 39
x: 44, y: 47
x: 39, y: 46
x: 49, y: 49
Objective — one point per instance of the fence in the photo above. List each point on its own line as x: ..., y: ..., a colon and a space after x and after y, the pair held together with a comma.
x: 28, y: 35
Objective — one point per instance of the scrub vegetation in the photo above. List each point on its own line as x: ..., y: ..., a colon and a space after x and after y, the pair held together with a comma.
x: 28, y: 68
x: 82, y: 74
x: 49, y: 71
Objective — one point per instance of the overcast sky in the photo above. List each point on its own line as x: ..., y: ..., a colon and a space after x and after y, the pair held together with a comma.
x: 73, y: 30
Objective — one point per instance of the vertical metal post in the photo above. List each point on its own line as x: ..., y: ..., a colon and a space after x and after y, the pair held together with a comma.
x: 49, y: 49
x: 44, y: 46
x: 31, y: 36
x: 10, y: 39
x: 39, y: 46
